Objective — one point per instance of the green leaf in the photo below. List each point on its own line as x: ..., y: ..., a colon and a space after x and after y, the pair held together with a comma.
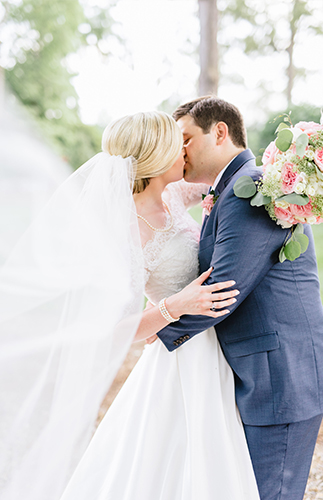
x: 282, y: 255
x: 284, y: 139
x: 244, y: 187
x: 259, y: 161
x: 301, y: 144
x: 295, y: 199
x: 259, y: 199
x: 298, y: 229
x: 303, y: 240
x: 281, y: 126
x: 292, y: 250
x: 319, y: 173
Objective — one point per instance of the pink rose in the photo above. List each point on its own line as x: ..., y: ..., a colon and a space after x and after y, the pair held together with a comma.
x: 301, y: 210
x: 318, y: 158
x: 284, y: 214
x: 269, y: 155
x: 208, y: 203
x: 309, y: 127
x: 289, y: 178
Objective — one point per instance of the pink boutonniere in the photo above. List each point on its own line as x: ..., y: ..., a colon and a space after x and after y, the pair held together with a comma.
x: 208, y: 201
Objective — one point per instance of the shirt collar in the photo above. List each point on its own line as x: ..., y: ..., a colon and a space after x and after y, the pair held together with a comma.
x: 220, y: 174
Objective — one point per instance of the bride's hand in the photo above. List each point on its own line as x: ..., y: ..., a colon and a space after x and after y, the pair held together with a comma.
x: 205, y: 300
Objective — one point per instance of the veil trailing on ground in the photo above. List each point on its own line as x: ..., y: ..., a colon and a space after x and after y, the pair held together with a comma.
x: 70, y: 302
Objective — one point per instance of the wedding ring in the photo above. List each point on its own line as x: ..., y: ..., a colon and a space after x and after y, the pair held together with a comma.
x: 213, y: 309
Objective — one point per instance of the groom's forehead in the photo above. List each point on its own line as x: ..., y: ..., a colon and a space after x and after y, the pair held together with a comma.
x: 187, y: 125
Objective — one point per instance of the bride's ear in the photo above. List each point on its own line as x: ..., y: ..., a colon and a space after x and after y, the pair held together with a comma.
x: 221, y: 132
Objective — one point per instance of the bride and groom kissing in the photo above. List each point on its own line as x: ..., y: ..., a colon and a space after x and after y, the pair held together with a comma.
x: 173, y: 432
x: 271, y: 337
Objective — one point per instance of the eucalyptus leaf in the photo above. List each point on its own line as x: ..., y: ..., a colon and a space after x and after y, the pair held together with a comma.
x: 282, y: 256
x: 292, y: 250
x: 303, y: 240
x: 301, y: 144
x: 259, y: 199
x: 281, y: 126
x: 259, y: 161
x: 245, y: 187
x: 284, y: 139
x: 295, y: 199
x: 319, y: 173
x: 298, y: 229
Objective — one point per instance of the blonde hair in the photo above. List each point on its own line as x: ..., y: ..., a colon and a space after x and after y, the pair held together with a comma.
x: 153, y: 138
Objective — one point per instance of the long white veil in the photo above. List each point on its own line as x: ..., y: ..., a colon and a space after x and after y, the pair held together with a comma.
x: 70, y: 303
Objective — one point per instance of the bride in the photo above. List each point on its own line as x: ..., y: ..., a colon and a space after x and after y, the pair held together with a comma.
x: 173, y: 431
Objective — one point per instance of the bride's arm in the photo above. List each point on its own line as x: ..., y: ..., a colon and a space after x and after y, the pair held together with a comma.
x: 193, y: 299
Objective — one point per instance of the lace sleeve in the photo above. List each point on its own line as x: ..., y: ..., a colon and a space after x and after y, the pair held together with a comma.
x: 189, y: 192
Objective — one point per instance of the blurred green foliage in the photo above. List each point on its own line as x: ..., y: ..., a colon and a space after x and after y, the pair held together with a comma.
x: 259, y: 137
x: 44, y: 33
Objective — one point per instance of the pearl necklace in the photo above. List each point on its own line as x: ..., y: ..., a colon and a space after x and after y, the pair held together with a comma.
x: 156, y: 228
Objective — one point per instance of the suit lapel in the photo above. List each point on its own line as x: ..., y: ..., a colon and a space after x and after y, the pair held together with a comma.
x: 234, y: 166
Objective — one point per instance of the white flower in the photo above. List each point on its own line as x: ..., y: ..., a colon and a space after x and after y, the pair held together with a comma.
x: 302, y: 220
x: 309, y: 154
x: 283, y: 223
x: 276, y: 176
x: 300, y: 188
x: 310, y: 190
x: 282, y: 204
x: 311, y: 220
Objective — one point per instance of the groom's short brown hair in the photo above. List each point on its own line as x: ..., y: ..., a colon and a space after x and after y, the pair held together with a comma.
x: 209, y: 110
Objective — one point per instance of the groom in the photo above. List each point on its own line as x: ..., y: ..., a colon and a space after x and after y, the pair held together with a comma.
x: 273, y: 336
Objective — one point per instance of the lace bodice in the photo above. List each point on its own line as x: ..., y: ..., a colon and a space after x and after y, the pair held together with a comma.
x: 171, y: 258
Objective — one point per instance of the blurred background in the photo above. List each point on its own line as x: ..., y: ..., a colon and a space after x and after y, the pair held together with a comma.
x: 68, y: 67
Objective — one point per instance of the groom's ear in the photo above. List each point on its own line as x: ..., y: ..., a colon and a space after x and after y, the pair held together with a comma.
x: 221, y: 132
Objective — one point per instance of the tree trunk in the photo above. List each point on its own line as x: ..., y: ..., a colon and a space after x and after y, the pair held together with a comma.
x: 290, y: 51
x: 209, y: 54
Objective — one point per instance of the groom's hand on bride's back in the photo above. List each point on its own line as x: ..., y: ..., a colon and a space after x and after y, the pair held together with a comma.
x: 207, y: 300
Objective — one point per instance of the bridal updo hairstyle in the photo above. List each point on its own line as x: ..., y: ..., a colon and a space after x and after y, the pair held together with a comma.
x: 153, y: 139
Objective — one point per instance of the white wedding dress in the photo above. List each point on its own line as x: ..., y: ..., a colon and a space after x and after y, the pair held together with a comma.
x: 173, y: 432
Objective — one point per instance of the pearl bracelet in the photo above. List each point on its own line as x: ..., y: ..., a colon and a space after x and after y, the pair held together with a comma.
x: 164, y: 312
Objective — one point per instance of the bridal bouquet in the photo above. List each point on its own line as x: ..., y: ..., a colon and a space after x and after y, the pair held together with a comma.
x: 291, y: 186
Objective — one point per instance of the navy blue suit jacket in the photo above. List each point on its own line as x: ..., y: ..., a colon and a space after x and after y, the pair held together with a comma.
x: 273, y: 336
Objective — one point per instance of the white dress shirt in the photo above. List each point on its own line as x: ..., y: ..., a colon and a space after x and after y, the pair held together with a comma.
x: 218, y: 177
